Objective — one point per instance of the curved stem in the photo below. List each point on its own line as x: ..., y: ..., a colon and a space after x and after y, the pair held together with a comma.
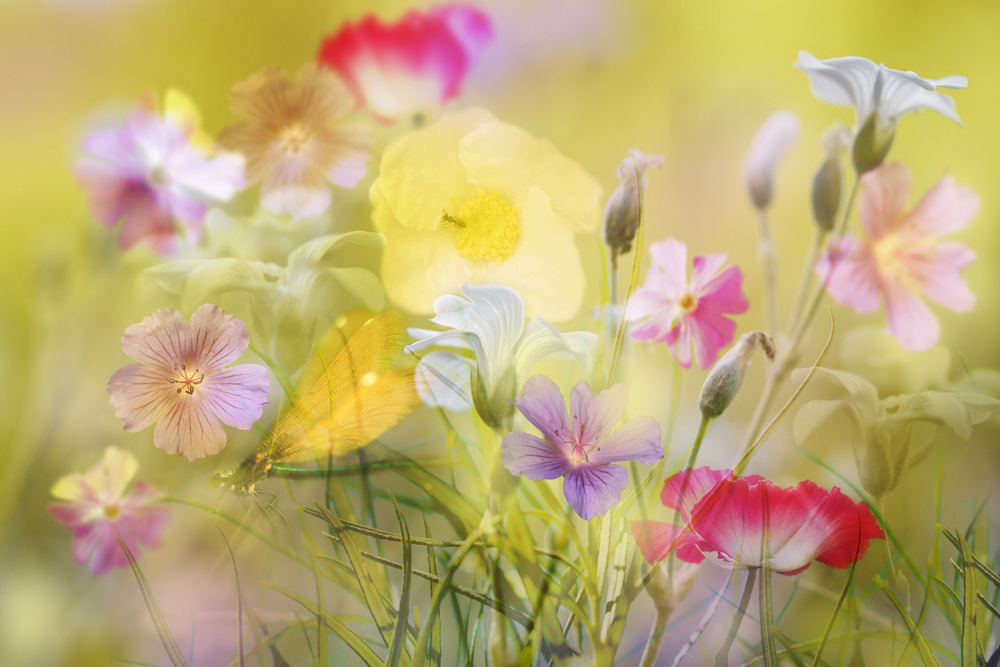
x: 652, y: 650
x: 722, y: 657
x: 767, y: 254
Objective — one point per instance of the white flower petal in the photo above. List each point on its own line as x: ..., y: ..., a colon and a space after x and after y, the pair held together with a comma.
x: 541, y: 340
x: 443, y: 381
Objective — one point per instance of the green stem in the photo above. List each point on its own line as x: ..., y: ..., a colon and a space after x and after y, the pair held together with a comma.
x: 722, y: 657
x: 630, y: 288
x: 808, y: 267
x: 655, y: 638
x: 767, y: 254
x: 286, y: 385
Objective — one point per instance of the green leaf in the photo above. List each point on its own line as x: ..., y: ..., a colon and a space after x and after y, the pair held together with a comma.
x: 836, y: 610
x: 398, y: 644
x: 917, y: 637
x: 969, y: 644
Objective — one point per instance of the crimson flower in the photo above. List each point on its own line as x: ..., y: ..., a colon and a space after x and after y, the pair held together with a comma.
x: 727, y: 518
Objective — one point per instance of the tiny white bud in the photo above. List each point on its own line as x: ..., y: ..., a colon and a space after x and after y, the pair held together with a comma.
x: 770, y: 145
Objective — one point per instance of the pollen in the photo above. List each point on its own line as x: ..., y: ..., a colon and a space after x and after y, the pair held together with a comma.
x: 688, y: 302
x: 487, y: 228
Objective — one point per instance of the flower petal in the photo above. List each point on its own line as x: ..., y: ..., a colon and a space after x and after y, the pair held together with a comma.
x: 161, y: 340
x: 850, y: 270
x: 236, y: 395
x: 216, y: 339
x: 944, y: 209
x: 443, y: 380
x: 140, y: 396
x: 880, y: 206
x: 910, y: 320
x: 935, y: 269
x: 529, y: 455
x: 540, y: 340
x: 656, y: 540
x: 189, y: 429
x: 542, y: 404
x: 593, y: 490
x: 700, y: 482
x: 668, y: 275
x: 638, y: 440
x: 592, y: 417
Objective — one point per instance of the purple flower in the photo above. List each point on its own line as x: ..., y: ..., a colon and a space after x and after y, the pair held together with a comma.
x: 180, y: 382
x: 151, y: 176
x: 582, y: 448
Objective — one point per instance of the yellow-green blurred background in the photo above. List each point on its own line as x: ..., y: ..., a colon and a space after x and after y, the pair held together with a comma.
x: 689, y: 80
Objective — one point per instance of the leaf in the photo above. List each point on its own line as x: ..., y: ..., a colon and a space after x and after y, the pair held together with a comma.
x: 398, y: 644
x: 918, y: 638
x: 970, y: 650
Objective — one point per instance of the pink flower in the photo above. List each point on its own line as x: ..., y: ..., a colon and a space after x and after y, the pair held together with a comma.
x: 725, y: 517
x: 180, y: 383
x: 582, y: 448
x: 150, y: 175
x: 686, y: 313
x: 101, y: 511
x: 899, y: 256
x: 411, y: 65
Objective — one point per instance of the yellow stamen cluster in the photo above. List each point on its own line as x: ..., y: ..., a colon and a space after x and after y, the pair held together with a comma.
x: 487, y: 228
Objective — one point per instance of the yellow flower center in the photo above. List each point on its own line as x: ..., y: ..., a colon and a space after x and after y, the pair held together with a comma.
x: 293, y: 138
x: 187, y: 379
x: 688, y: 303
x: 486, y: 228
x: 111, y: 512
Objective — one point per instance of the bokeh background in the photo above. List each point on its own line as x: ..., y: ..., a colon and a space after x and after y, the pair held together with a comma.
x: 688, y: 80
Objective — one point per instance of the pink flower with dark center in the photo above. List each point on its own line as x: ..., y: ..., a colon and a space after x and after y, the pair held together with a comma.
x: 726, y: 518
x: 150, y: 176
x: 180, y: 382
x: 583, y: 447
x: 100, y: 511
x: 685, y: 314
x: 414, y: 64
x: 899, y: 257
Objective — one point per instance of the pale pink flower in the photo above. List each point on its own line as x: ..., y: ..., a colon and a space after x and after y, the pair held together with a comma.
x: 415, y: 64
x: 293, y: 139
x: 899, y: 257
x: 151, y: 176
x: 726, y: 518
x: 685, y: 314
x: 100, y: 511
x: 180, y: 382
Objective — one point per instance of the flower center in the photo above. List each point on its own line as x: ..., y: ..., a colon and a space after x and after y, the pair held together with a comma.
x: 688, y: 303
x: 111, y: 512
x: 187, y: 379
x: 158, y: 176
x: 486, y: 228
x: 293, y: 138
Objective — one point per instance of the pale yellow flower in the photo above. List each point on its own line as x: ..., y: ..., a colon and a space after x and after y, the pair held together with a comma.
x: 473, y: 200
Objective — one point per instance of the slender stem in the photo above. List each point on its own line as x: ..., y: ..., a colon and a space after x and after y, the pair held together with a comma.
x: 656, y: 637
x: 767, y: 255
x: 722, y: 657
x: 808, y: 267
x: 637, y: 246
x: 700, y: 630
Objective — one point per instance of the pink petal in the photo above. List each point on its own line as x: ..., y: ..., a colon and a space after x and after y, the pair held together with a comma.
x: 594, y: 416
x: 593, y: 490
x: 724, y: 292
x: 910, y: 320
x: 140, y: 396
x: 236, y: 395
x: 145, y: 219
x: 668, y: 275
x: 638, y: 440
x: 110, y: 191
x: 525, y: 454
x: 161, y: 340
x: 705, y: 267
x: 700, y: 482
x: 679, y: 341
x: 216, y: 339
x: 189, y: 429
x: 542, y: 404
x: 881, y: 203
x: 115, y: 145
x: 656, y: 540
x: 710, y: 332
x: 945, y: 208
x: 936, y: 270
x: 855, y: 280
x: 294, y: 187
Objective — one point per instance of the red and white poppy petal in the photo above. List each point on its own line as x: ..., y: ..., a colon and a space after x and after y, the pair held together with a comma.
x: 592, y: 417
x: 909, y: 319
x: 700, y: 482
x: 656, y: 540
x: 140, y: 396
x: 542, y: 404
x: 217, y: 339
x: 236, y: 395
x: 638, y: 440
x: 854, y: 527
x: 529, y: 455
x: 936, y: 270
x: 946, y: 208
x: 189, y: 429
x: 880, y: 206
x: 593, y: 490
x: 160, y: 340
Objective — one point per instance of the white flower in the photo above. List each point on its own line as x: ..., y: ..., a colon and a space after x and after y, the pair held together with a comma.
x: 490, y: 322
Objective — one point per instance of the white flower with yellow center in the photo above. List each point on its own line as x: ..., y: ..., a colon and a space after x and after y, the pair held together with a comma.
x: 473, y: 200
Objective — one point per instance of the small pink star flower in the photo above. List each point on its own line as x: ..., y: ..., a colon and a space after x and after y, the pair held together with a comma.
x: 899, y: 256
x: 99, y: 511
x: 181, y: 383
x: 417, y: 63
x: 688, y: 314
x: 151, y: 176
x: 725, y: 518
x: 583, y: 448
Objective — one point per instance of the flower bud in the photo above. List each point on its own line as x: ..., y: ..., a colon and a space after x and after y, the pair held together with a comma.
x: 668, y: 589
x: 621, y: 217
x: 497, y: 408
x: 826, y: 184
x: 770, y: 145
x: 872, y: 144
x: 727, y: 376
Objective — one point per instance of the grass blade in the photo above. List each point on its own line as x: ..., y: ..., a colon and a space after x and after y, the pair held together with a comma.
x: 918, y: 638
x: 969, y: 638
x: 402, y: 613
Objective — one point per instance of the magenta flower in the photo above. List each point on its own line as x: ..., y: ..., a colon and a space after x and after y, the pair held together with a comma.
x: 725, y: 517
x: 582, y: 448
x: 683, y: 313
x: 149, y: 175
x: 180, y: 382
x: 414, y: 64
x: 100, y: 511
x: 899, y: 255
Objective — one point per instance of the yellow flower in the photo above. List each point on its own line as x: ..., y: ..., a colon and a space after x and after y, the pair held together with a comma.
x: 473, y: 200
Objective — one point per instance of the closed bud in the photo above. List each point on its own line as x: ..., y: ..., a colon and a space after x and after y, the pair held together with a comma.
x: 496, y: 409
x: 872, y: 144
x: 621, y: 216
x: 770, y: 145
x: 826, y: 195
x: 727, y: 376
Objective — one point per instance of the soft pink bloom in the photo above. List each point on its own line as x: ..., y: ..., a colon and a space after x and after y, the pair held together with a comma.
x: 414, y: 64
x: 683, y: 313
x: 582, y: 448
x: 899, y: 256
x: 180, y: 382
x: 100, y: 511
x: 725, y: 517
x: 150, y: 175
